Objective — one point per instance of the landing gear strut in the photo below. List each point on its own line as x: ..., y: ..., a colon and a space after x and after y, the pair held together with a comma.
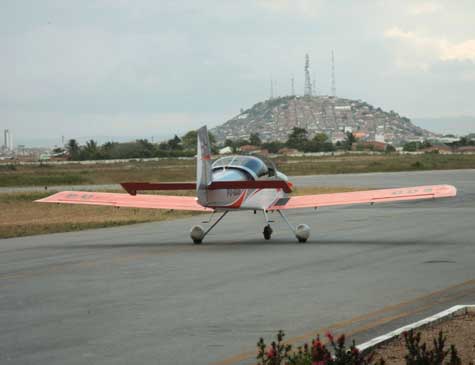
x: 267, y: 229
x: 197, y: 233
x: 302, y: 231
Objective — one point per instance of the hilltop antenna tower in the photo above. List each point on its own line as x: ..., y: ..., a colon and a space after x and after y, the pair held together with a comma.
x: 314, y: 84
x: 333, y: 75
x: 308, y: 82
x: 292, y: 86
x: 271, y: 89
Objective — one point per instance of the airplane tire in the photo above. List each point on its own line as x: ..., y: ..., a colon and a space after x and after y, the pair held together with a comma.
x: 302, y: 240
x: 267, y: 232
x: 197, y: 242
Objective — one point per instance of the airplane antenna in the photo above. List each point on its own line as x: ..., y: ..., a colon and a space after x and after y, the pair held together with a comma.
x: 271, y: 89
x: 314, y: 84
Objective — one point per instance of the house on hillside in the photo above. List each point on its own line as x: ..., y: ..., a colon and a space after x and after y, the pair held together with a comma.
x: 369, y: 146
x: 466, y: 149
x: 288, y: 151
x: 443, y: 149
x: 249, y: 148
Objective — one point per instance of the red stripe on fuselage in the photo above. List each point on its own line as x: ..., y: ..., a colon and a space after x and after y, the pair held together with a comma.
x: 236, y: 204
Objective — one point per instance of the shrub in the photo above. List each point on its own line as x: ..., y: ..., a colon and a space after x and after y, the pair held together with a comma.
x: 279, y: 353
x: 419, y: 354
x: 317, y: 353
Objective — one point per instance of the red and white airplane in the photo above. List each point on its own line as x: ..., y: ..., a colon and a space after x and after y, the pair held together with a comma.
x: 240, y: 183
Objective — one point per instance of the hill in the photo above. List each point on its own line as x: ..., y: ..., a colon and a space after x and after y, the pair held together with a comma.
x: 274, y: 119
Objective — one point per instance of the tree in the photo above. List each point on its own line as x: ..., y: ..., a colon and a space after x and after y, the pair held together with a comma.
x: 174, y: 143
x: 410, y: 147
x: 73, y: 149
x: 145, y: 148
x: 58, y: 150
x: 189, y: 140
x: 318, y: 144
x: 350, y: 139
x: 90, y: 151
x: 254, y: 139
x: 107, y: 150
x: 298, y: 138
x: 274, y: 146
x: 390, y: 149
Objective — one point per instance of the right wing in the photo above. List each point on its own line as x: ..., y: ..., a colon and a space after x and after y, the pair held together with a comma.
x: 370, y: 196
x: 126, y: 200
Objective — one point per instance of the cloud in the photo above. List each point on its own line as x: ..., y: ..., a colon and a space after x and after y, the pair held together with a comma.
x: 414, y: 50
x: 305, y: 8
x: 428, y: 7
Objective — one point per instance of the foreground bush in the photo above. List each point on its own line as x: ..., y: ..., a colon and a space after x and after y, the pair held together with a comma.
x: 317, y: 353
x: 419, y: 354
x: 279, y: 353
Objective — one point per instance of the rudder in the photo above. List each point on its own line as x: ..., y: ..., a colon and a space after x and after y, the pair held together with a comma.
x: 203, y: 165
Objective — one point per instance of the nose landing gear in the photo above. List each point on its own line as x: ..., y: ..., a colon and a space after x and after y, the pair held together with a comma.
x: 267, y: 232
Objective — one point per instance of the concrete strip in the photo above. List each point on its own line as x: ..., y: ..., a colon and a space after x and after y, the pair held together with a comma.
x: 441, y: 316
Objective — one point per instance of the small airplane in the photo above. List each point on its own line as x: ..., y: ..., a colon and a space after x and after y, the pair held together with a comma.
x: 235, y: 183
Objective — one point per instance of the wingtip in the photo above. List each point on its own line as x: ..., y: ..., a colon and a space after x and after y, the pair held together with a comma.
x: 453, y: 190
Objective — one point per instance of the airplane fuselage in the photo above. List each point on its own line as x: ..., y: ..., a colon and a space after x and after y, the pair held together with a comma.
x: 239, y: 168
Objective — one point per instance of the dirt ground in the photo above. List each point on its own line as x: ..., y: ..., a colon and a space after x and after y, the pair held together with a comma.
x: 459, y: 330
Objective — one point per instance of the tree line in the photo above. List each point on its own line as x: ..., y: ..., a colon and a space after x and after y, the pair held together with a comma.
x: 185, y: 146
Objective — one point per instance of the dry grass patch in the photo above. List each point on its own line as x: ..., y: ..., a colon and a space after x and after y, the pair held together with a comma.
x: 21, y: 216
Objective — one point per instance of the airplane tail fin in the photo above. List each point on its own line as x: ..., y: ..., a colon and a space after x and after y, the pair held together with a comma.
x: 203, y: 166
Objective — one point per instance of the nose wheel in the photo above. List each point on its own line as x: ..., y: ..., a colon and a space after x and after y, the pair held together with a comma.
x: 267, y: 232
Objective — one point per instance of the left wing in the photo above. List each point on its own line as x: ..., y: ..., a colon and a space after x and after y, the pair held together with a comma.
x: 370, y: 196
x: 126, y: 200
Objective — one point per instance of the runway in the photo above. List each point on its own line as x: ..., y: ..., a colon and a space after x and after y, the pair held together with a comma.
x: 145, y: 294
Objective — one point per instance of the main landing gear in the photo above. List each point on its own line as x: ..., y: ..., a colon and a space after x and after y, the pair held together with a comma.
x: 197, y: 233
x: 301, y: 232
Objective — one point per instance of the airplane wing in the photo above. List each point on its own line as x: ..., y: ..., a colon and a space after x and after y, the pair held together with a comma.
x: 126, y: 200
x: 370, y: 196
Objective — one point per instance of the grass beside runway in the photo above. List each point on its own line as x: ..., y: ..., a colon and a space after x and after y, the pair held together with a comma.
x: 184, y: 170
x: 21, y: 216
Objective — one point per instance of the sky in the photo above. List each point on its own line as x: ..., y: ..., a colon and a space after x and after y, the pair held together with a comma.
x: 152, y: 68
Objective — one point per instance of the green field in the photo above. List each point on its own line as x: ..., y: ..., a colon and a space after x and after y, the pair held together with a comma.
x: 184, y: 170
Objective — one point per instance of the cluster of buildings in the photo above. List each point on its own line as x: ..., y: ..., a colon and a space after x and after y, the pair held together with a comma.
x: 274, y: 120
x: 7, y: 149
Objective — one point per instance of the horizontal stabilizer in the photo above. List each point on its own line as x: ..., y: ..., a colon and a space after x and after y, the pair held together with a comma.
x: 133, y: 187
x: 126, y: 200
x: 252, y: 184
x: 370, y: 196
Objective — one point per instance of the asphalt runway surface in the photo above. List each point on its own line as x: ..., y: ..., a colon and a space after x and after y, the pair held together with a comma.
x: 144, y: 294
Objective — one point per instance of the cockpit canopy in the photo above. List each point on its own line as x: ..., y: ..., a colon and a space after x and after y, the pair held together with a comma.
x: 253, y: 165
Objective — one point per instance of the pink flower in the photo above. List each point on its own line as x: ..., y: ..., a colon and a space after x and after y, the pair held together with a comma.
x: 329, y: 336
